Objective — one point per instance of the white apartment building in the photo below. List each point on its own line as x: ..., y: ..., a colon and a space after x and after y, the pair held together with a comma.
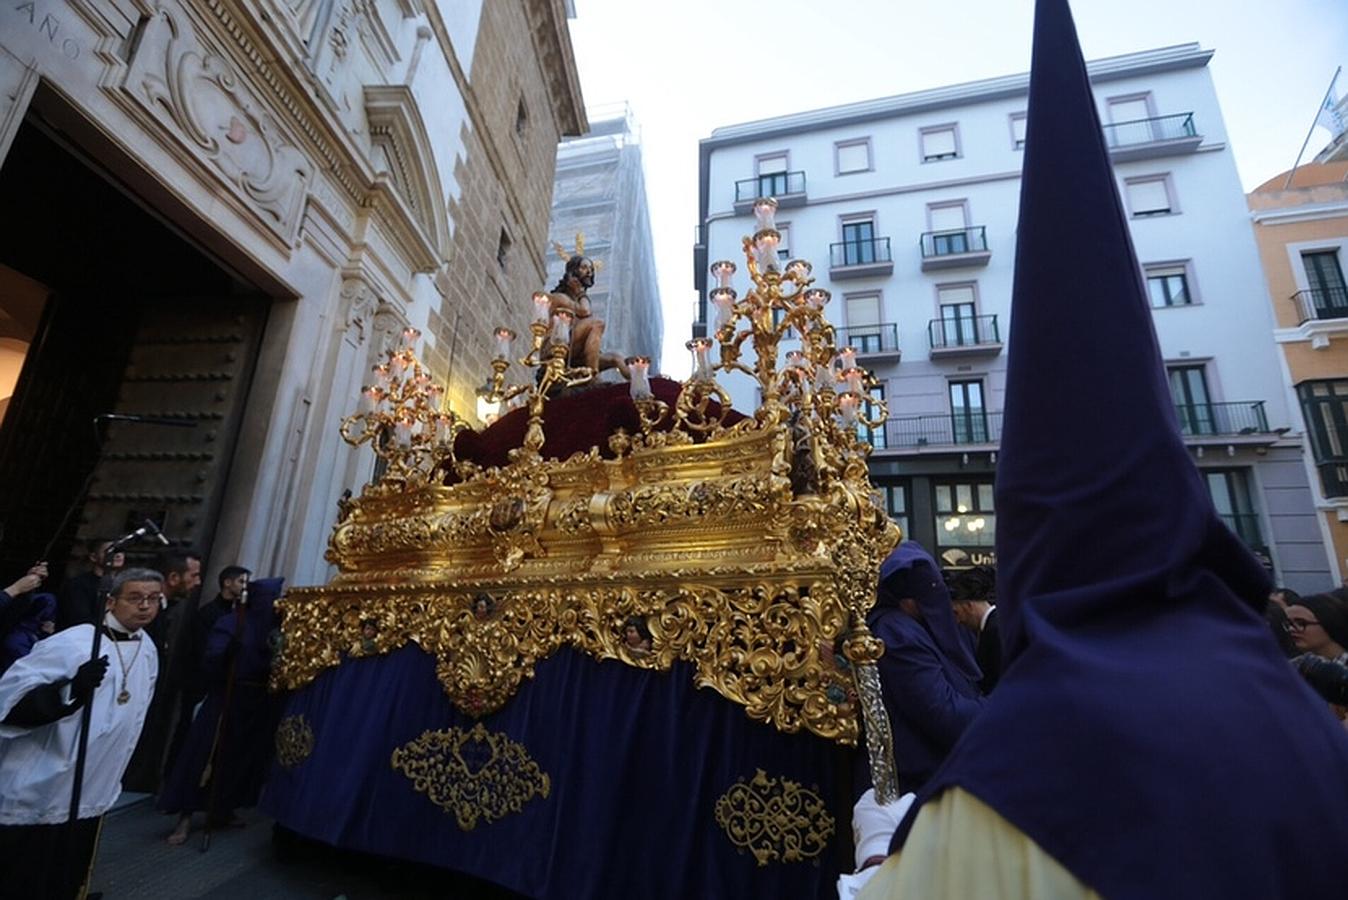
x: 907, y: 208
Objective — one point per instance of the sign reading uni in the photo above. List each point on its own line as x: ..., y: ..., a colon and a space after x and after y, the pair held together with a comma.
x: 958, y: 558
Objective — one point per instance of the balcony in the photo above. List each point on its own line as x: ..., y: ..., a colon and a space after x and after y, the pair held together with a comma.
x: 965, y: 430
x: 1334, y: 477
x: 861, y: 258
x: 964, y: 336
x: 1321, y: 303
x: 874, y: 343
x: 787, y: 188
x: 1150, y: 138
x: 1238, y: 422
x: 955, y: 249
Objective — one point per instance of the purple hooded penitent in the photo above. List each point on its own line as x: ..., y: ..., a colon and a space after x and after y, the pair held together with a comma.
x: 1146, y: 732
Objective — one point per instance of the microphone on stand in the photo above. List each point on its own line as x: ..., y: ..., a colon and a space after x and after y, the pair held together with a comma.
x: 149, y: 528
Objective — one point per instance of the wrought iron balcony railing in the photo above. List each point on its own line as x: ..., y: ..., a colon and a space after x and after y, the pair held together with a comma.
x: 973, y: 239
x: 775, y: 184
x: 963, y: 331
x: 1237, y: 418
x: 948, y: 430
x: 871, y: 339
x: 859, y: 252
x: 1148, y: 131
x: 1321, y: 303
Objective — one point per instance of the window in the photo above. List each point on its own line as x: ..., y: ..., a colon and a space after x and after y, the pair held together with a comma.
x: 1168, y: 286
x: 1193, y: 403
x: 965, y: 515
x: 896, y: 504
x: 858, y: 239
x: 1325, y: 406
x: 863, y: 309
x: 503, y: 249
x: 950, y: 227
x: 1018, y: 131
x: 940, y: 142
x: 1230, y: 490
x: 1150, y: 196
x: 863, y: 322
x: 968, y: 416
x: 959, y: 315
x: 772, y: 177
x: 784, y: 245
x: 1325, y: 278
x: 852, y: 156
x: 1135, y: 108
x: 869, y: 410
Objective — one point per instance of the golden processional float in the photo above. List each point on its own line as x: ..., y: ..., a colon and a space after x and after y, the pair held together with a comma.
x: 526, y: 617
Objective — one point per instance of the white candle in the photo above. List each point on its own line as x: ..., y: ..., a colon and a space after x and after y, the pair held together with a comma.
x: 640, y: 384
x: 701, y: 348
x: 542, y: 303
x: 561, y: 326
x: 505, y: 338
x: 721, y: 271
x: 724, y: 301
x: 765, y: 211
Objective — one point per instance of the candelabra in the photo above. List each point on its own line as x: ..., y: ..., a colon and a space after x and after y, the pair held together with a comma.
x: 822, y: 393
x: 402, y: 416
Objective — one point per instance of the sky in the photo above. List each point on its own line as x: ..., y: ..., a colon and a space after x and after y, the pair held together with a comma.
x: 690, y: 66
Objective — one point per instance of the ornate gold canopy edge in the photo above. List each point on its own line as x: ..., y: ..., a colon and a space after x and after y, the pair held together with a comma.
x: 767, y: 643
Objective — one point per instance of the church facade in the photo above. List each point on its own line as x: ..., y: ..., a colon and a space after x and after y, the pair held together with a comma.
x: 219, y: 214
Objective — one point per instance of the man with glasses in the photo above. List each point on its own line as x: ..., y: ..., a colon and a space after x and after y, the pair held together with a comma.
x: 41, y: 696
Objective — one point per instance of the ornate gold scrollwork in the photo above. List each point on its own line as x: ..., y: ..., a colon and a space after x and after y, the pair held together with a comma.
x: 294, y: 741
x: 476, y: 775
x: 765, y: 645
x: 774, y: 819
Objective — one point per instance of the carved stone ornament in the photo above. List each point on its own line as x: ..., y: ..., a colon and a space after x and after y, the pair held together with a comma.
x: 192, y: 91
x: 294, y: 741
x: 775, y: 819
x: 475, y: 775
x: 420, y: 219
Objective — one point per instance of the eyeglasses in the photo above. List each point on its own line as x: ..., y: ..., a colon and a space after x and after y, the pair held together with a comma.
x: 141, y: 600
x: 1300, y: 624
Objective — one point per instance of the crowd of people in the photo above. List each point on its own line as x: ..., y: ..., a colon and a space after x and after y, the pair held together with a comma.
x: 123, y: 680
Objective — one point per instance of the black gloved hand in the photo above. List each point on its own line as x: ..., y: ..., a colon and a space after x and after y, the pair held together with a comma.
x: 87, y: 678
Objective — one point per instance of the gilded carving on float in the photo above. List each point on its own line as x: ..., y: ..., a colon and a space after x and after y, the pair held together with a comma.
x: 775, y: 819
x: 747, y: 547
x: 475, y: 775
x: 294, y: 741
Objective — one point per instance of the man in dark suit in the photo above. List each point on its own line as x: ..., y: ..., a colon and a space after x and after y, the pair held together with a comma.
x: 971, y: 593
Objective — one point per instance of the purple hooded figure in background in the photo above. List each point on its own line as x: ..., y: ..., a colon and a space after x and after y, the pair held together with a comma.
x: 225, y: 757
x: 928, y: 674
x: 38, y: 622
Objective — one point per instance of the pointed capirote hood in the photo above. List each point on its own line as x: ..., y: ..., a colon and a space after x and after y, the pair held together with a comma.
x: 1095, y: 490
x: 1142, y: 730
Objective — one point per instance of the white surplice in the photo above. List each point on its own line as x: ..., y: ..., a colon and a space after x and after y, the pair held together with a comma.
x: 37, y: 765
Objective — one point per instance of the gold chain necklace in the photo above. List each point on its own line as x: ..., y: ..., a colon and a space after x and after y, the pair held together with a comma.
x: 124, y: 695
